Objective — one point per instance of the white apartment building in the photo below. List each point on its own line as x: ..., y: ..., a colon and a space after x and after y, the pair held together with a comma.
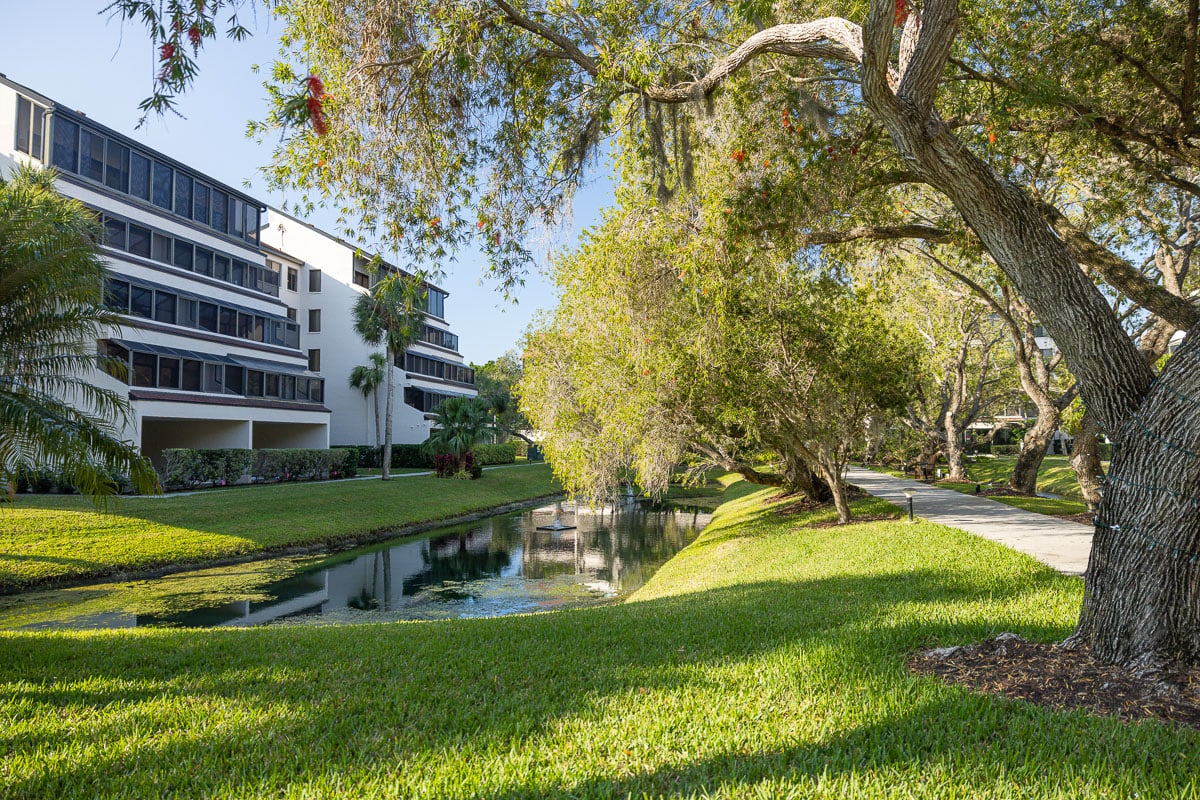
x: 321, y: 278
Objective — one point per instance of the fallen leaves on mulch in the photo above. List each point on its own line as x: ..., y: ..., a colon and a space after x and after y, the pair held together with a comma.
x: 1087, y: 517
x: 1060, y: 678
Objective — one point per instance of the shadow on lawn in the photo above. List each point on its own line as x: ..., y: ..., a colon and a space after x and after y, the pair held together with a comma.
x: 371, y: 699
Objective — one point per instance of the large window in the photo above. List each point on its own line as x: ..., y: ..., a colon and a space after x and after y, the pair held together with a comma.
x: 314, y: 280
x: 187, y: 255
x: 436, y: 368
x: 292, y: 279
x: 109, y: 161
x: 314, y: 360
x: 439, y: 337
x: 173, y: 308
x: 314, y: 320
x: 31, y: 128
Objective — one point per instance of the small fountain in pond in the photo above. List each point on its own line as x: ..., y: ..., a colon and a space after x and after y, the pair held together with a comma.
x: 557, y: 524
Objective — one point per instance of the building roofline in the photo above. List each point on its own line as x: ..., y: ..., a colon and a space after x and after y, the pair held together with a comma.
x: 79, y: 116
x: 344, y: 243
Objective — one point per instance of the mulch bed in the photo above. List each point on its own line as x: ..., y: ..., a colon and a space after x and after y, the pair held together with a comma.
x: 1053, y: 676
x: 1087, y: 517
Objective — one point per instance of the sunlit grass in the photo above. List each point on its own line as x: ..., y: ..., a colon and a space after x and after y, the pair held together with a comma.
x: 765, y: 660
x: 48, y: 537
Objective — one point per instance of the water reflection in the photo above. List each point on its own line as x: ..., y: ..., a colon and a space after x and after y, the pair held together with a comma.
x: 500, y: 565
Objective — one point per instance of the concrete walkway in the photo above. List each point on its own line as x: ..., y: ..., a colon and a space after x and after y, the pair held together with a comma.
x: 1061, y: 544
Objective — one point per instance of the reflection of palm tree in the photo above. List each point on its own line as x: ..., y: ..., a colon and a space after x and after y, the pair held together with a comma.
x: 367, y: 379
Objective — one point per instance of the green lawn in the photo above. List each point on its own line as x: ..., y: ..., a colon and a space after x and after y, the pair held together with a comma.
x: 766, y: 660
x: 46, y: 538
x: 1055, y: 476
x: 1039, y: 505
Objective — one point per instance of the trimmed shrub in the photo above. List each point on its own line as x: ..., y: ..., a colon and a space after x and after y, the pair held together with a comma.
x: 413, y: 456
x: 1006, y: 449
x: 487, y: 455
x: 185, y: 468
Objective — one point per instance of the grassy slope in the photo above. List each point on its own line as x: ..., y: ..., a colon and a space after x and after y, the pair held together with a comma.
x: 48, y: 537
x: 765, y: 660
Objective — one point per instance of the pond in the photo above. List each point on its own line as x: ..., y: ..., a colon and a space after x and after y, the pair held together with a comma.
x: 499, y: 565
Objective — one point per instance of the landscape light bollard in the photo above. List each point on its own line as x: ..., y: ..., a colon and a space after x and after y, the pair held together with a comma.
x: 908, y: 493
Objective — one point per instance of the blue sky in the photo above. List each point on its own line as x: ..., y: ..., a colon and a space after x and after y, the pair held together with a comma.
x: 68, y: 51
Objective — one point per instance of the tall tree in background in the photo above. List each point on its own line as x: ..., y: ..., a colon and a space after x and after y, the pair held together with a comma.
x: 389, y: 314
x: 52, y: 414
x: 496, y: 382
x: 367, y: 378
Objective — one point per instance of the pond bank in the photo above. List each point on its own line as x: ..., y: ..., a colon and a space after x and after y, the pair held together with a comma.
x: 54, y: 541
x: 766, y: 659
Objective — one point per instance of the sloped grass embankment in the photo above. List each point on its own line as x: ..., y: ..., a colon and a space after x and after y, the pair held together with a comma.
x: 766, y: 660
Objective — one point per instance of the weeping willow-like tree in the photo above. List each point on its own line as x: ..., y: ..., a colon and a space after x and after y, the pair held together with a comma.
x: 52, y: 415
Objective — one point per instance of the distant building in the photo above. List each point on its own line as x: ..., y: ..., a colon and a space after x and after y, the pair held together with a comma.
x: 323, y: 276
x: 234, y: 333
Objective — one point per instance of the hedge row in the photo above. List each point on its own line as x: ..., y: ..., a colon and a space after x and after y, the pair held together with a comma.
x: 188, y: 468
x: 418, y: 456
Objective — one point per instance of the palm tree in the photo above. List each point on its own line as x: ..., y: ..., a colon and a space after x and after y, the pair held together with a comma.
x: 459, y: 422
x: 389, y: 315
x: 367, y: 379
x: 52, y: 416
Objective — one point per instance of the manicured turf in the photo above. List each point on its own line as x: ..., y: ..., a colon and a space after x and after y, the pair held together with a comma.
x: 1055, y: 476
x: 1051, y: 506
x: 48, y: 538
x: 766, y: 660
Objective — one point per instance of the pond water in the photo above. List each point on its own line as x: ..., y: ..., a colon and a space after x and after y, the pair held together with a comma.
x: 499, y: 565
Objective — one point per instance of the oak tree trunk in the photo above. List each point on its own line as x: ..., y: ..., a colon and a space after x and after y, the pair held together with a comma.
x: 1033, y: 452
x: 1085, y: 460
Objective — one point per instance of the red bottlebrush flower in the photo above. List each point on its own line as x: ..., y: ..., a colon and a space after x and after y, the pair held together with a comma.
x: 738, y: 155
x: 433, y: 223
x: 315, y: 87
x: 853, y: 151
x: 321, y: 162
x: 496, y: 240
x: 645, y: 372
x: 479, y: 224
x: 901, y: 11
x: 316, y: 98
x: 766, y: 162
x: 177, y: 24
x: 166, y: 52
x: 194, y: 35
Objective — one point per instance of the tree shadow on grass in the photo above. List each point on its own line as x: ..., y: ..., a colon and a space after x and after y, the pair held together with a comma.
x: 259, y: 708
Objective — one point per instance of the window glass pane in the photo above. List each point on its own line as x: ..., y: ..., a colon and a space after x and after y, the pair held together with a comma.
x: 245, y: 325
x: 91, y: 155
x: 260, y: 326
x: 233, y: 379
x: 200, y: 204
x: 114, y: 233
x: 314, y: 360
x: 139, y: 176
x: 317, y: 392
x: 238, y: 275
x: 214, y: 378
x: 116, y: 361
x: 141, y: 301
x: 24, y: 123
x: 117, y: 174
x: 192, y: 376
x: 164, y: 307
x: 220, y: 267
x: 251, y: 223
x: 66, y: 145
x: 116, y: 296
x: 36, y: 140
x: 183, y: 195
x: 228, y: 322
x: 183, y: 255
x: 288, y: 387
x: 161, y: 248
x: 276, y: 333
x: 301, y: 388
x: 314, y: 280
x: 144, y: 368
x: 254, y: 383
x: 291, y: 336
x: 314, y: 320
x: 220, y: 210
x: 162, y: 185
x: 207, y: 316
x: 236, y: 212
x: 168, y: 373
x: 272, y: 387
x: 292, y: 275
x: 187, y: 312
x: 139, y: 240
x: 204, y: 261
